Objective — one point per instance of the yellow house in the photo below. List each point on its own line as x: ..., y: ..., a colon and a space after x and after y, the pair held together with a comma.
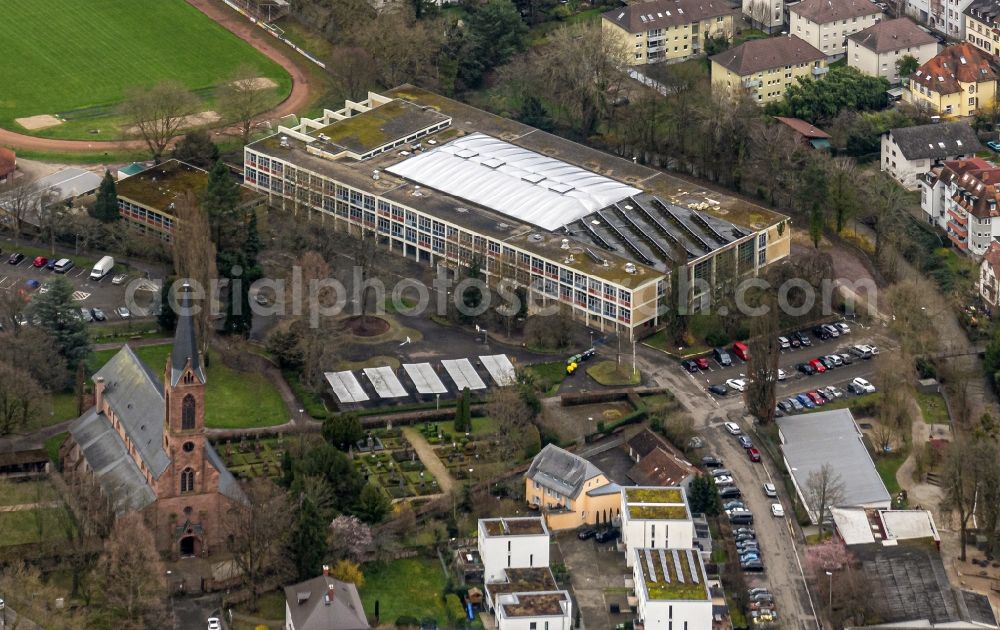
x: 981, y: 28
x: 764, y: 68
x: 569, y: 490
x: 958, y: 82
x: 668, y: 30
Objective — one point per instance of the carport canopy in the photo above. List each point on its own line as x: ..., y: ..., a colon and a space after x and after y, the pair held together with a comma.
x: 384, y: 380
x: 346, y: 388
x: 425, y: 378
x: 500, y: 368
x: 464, y: 375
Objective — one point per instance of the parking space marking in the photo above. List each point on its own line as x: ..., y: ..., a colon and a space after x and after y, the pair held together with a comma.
x: 80, y: 296
x: 80, y: 273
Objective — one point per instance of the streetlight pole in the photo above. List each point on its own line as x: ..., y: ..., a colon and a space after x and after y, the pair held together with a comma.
x: 829, y: 610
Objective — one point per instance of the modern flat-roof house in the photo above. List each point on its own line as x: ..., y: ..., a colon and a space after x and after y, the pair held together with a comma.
x: 655, y: 518
x: 569, y: 490
x: 765, y: 68
x: 535, y: 580
x: 668, y: 30
x: 989, y: 275
x: 547, y: 610
x: 517, y: 543
x: 981, y: 25
x: 147, y: 199
x: 961, y: 197
x: 811, y: 441
x: 445, y: 183
x: 324, y: 603
x: 876, y: 49
x: 909, y: 152
x: 826, y: 24
x: 671, y: 589
x: 955, y: 83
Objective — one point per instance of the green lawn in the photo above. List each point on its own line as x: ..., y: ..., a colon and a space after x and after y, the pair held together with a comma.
x: 887, y: 465
x: 660, y: 341
x: 548, y: 376
x: 233, y: 399
x: 932, y: 408
x: 411, y: 586
x: 609, y: 373
x: 23, y: 526
x: 52, y: 445
x: 480, y: 426
x: 22, y: 492
x: 76, y: 59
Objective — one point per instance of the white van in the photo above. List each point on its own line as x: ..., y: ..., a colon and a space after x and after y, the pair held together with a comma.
x: 63, y: 265
x: 102, y: 268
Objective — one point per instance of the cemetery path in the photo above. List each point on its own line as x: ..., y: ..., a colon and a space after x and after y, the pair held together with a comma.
x: 430, y: 459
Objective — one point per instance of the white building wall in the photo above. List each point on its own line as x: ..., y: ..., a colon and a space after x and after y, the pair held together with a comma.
x: 767, y: 15
x: 670, y: 615
x: 988, y: 285
x: 902, y: 170
x: 932, y: 203
x: 830, y: 37
x: 563, y: 622
x: 945, y: 17
x: 658, y: 534
x: 512, y: 552
x: 884, y: 65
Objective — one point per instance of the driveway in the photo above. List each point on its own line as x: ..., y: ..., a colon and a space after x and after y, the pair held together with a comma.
x: 597, y: 573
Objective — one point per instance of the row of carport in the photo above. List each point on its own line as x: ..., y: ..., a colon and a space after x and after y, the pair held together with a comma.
x: 425, y: 379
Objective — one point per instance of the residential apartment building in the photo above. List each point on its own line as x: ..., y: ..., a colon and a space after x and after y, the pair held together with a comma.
x: 826, y: 24
x: 549, y: 610
x: 909, y: 152
x: 668, y: 30
x: 517, y: 543
x: 961, y: 197
x: 655, y: 518
x: 765, y: 68
x: 981, y: 28
x: 431, y: 179
x: 766, y: 15
x: 956, y: 82
x: 989, y: 275
x: 569, y: 490
x: 147, y: 200
x: 671, y: 589
x: 877, y: 49
x: 944, y: 16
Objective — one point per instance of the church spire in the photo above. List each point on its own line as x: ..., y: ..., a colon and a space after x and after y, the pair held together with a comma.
x: 185, y: 351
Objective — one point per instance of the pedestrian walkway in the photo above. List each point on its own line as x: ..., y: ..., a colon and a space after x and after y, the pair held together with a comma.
x: 29, y: 506
x: 430, y: 459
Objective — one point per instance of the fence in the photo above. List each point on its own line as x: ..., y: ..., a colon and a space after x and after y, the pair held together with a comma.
x: 276, y: 32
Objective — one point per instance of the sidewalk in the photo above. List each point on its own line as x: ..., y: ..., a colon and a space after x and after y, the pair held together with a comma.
x: 430, y: 459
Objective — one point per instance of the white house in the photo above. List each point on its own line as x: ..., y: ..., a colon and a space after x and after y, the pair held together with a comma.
x: 826, y: 24
x: 909, y: 152
x: 550, y: 610
x: 989, y: 275
x: 671, y: 589
x: 962, y: 198
x: 944, y: 17
x: 767, y: 15
x: 656, y: 518
x: 876, y: 49
x: 512, y: 543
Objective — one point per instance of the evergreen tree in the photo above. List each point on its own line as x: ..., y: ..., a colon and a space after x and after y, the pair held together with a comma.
x: 533, y: 113
x: 373, y: 505
x: 197, y: 149
x: 463, y: 413
x: 308, y: 541
x: 252, y: 245
x: 343, y: 431
x: 222, y: 196
x: 704, y: 496
x: 167, y: 317
x: 59, y: 315
x: 106, y: 206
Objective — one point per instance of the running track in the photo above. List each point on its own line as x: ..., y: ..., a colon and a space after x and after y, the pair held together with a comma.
x: 253, y: 35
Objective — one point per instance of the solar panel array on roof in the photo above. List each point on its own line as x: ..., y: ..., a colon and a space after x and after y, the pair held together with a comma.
x: 626, y: 240
x: 424, y: 378
x: 346, y: 388
x: 500, y: 368
x: 463, y: 374
x: 643, y: 233
x: 384, y: 380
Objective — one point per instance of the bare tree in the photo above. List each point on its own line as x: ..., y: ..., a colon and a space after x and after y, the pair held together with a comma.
x: 759, y: 12
x: 762, y: 364
x: 133, y: 574
x: 243, y: 97
x: 883, y: 435
x: 258, y: 528
x: 21, y: 398
x: 963, y: 475
x: 194, y: 257
x: 824, y: 489
x: 51, y: 217
x: 34, y: 598
x: 157, y: 113
x: 507, y: 407
x: 18, y: 201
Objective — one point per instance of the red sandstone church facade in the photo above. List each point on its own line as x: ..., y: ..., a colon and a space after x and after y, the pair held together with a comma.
x: 144, y: 443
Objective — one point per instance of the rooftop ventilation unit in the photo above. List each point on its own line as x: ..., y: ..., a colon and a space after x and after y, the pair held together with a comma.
x: 565, y: 243
x: 536, y: 238
x: 375, y: 175
x: 630, y: 268
x: 284, y: 143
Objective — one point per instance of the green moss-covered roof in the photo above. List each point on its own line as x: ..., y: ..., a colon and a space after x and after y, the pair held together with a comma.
x: 654, y: 495
x: 666, y: 512
x: 380, y: 125
x: 672, y: 586
x: 166, y: 183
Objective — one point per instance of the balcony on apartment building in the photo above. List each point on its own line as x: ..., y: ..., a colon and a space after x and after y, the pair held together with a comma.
x: 958, y: 218
x: 819, y: 71
x: 751, y: 83
x: 960, y: 239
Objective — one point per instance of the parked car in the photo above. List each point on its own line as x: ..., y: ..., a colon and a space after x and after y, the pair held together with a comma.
x: 724, y: 480
x: 16, y: 258
x: 120, y: 279
x: 214, y: 623
x: 733, y: 428
x: 753, y: 454
x: 739, y: 531
x: 586, y: 533
x: 796, y: 405
x: 784, y: 343
x: 730, y: 492
x: 606, y: 535
x: 806, y: 369
x: 98, y: 314
x: 755, y: 566
x: 862, y: 351
x: 123, y: 312
x: 745, y: 537
x: 722, y: 357
x: 832, y: 330
x: 86, y: 315
x: 702, y: 363
x: 718, y: 390
x: 817, y: 365
x: 993, y: 144
x: 721, y: 472
x: 777, y: 510
x: 63, y: 265
x: 804, y: 339
x: 861, y: 386
x: 711, y: 461
x: 770, y: 490
x: 764, y: 597
x: 821, y: 333
x: 750, y: 556
x: 874, y: 350
x: 781, y: 375
x: 741, y: 518
x: 757, y: 590
x: 832, y: 392
x: 827, y: 362
x: 734, y: 505
x: 741, y: 350
x: 690, y: 366
x: 795, y: 341
x: 846, y: 357
x: 738, y: 384
x: 835, y: 360
x: 749, y: 546
x: 744, y: 441
x: 785, y: 406
x: 843, y: 328
x: 816, y: 398
x: 39, y: 262
x: 805, y: 401
x: 51, y: 265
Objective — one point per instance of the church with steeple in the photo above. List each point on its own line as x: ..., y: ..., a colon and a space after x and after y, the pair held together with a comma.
x: 144, y: 444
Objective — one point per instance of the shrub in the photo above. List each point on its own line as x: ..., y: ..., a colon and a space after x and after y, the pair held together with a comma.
x: 406, y: 621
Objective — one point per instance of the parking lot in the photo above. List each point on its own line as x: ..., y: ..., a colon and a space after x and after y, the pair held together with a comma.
x: 28, y: 280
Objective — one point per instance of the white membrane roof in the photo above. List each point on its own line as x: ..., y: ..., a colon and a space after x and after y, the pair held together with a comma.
x: 384, y: 380
x: 424, y: 378
x: 509, y: 179
x: 464, y: 375
x: 500, y: 368
x: 346, y: 387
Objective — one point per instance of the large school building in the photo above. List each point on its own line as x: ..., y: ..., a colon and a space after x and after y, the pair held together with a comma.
x: 445, y: 183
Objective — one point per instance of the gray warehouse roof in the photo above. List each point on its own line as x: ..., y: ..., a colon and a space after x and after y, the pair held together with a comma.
x: 513, y: 180
x: 809, y: 441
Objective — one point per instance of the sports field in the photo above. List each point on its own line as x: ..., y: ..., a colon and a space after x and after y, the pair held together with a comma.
x: 76, y: 59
